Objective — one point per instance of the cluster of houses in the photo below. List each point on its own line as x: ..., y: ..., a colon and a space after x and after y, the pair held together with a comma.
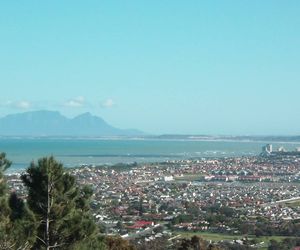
x: 145, y: 200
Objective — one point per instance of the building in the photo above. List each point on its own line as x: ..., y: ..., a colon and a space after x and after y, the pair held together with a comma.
x: 268, y: 149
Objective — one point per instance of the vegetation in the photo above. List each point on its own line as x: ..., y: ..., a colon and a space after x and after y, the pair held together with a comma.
x: 286, y: 244
x: 56, y: 214
x: 190, y: 177
x: 196, y: 243
x: 60, y: 208
x: 17, y: 222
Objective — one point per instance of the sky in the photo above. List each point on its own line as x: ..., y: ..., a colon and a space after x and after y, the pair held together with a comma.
x: 227, y: 67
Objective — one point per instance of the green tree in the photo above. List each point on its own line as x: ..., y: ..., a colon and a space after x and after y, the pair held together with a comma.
x: 60, y: 207
x: 23, y: 224
x: 194, y: 243
x: 117, y: 243
x: 5, y: 239
x: 17, y: 225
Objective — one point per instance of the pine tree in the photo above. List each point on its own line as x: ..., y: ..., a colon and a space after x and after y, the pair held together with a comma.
x: 5, y: 240
x: 60, y: 207
x: 23, y: 230
x: 17, y: 225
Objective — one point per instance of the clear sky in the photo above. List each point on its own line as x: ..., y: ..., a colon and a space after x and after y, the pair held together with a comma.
x: 189, y: 67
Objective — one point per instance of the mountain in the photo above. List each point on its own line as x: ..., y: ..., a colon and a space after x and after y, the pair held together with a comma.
x: 52, y: 123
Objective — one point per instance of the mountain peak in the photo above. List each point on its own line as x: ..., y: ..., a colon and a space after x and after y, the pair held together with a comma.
x: 86, y: 115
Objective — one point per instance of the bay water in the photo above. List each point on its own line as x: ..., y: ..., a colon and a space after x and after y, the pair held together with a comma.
x: 77, y: 152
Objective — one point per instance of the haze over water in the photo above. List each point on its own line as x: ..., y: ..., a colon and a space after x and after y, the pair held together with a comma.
x: 75, y: 152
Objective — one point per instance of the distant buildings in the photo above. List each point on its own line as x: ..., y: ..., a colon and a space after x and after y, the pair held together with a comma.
x: 168, y: 178
x: 267, y: 150
x: 281, y: 149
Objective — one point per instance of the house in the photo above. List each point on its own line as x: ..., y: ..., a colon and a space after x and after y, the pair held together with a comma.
x: 141, y: 224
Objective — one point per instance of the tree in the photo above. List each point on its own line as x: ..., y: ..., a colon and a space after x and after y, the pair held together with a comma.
x: 60, y: 207
x: 117, y: 243
x: 155, y: 244
x: 5, y: 240
x: 194, y: 243
x: 4, y: 165
x: 17, y: 225
x: 23, y: 224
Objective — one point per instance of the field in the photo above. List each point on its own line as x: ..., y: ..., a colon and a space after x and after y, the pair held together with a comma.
x: 219, y: 237
x: 189, y: 177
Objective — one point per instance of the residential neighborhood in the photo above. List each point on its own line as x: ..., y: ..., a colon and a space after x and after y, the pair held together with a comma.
x: 236, y: 196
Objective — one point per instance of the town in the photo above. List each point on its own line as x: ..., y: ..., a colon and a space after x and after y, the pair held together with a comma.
x: 240, y: 197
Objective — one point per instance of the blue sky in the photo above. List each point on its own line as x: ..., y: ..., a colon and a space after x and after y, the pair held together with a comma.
x: 189, y: 67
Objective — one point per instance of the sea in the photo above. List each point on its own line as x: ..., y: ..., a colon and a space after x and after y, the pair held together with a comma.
x: 79, y: 152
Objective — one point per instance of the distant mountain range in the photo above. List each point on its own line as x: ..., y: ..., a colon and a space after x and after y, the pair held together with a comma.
x: 52, y: 123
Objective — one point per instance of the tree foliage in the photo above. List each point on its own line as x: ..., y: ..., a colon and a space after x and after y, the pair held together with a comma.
x: 17, y: 225
x: 4, y: 208
x: 196, y: 243
x: 117, y: 243
x: 60, y: 207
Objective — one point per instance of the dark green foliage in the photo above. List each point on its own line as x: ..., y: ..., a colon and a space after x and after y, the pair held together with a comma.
x: 95, y: 243
x: 4, y: 164
x: 195, y: 243
x: 23, y: 223
x: 17, y: 207
x: 17, y: 225
x: 182, y: 218
x: 117, y: 243
x: 5, y: 224
x: 60, y: 207
x: 286, y: 244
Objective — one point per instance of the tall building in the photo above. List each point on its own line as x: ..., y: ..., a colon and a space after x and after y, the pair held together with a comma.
x: 268, y: 149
